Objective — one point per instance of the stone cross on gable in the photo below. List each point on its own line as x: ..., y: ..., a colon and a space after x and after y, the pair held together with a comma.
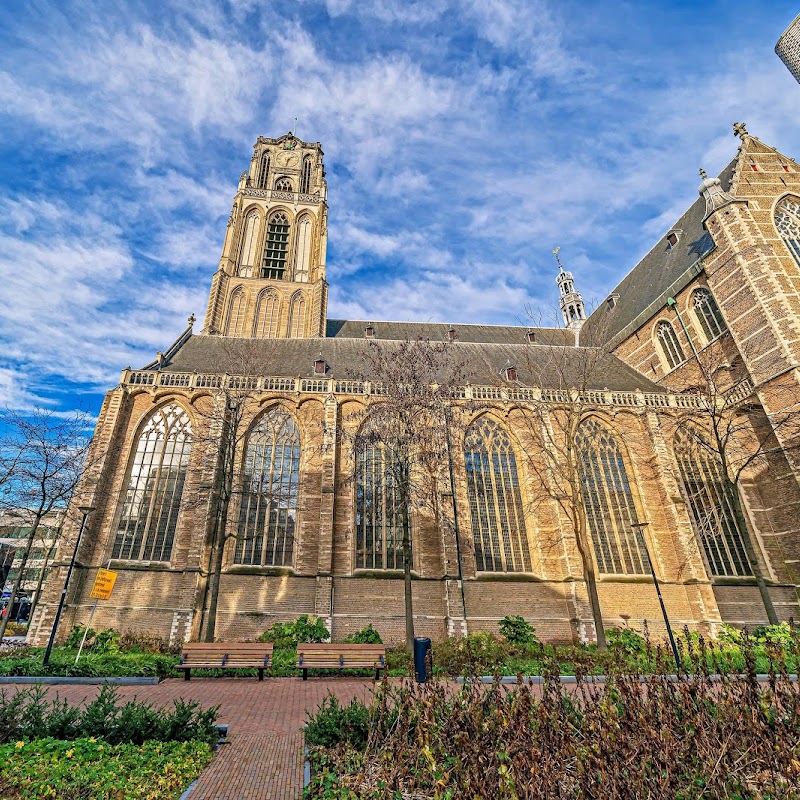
x: 740, y: 129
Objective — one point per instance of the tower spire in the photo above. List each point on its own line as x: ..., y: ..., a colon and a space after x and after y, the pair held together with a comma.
x: 570, y: 301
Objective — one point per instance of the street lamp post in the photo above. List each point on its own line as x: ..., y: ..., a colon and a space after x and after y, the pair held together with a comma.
x: 639, y: 528
x: 85, y: 510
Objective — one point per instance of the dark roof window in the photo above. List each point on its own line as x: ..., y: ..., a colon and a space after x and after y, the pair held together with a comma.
x: 320, y: 365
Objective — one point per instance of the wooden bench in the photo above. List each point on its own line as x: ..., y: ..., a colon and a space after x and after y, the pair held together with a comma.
x: 225, y: 655
x: 341, y: 656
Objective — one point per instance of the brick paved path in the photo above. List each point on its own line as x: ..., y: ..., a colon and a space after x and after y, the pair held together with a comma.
x: 264, y: 760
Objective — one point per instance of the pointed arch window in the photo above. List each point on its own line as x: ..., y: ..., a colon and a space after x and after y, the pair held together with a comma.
x: 236, y: 313
x: 305, y: 178
x: 283, y: 185
x: 276, y: 247
x: 149, y: 510
x: 268, y: 307
x: 379, y: 511
x: 263, y: 174
x: 670, y: 345
x: 297, y: 317
x: 302, y: 251
x: 495, y: 504
x: 247, y: 250
x: 787, y: 221
x: 708, y: 314
x: 711, y: 506
x: 608, y: 502
x: 268, y: 512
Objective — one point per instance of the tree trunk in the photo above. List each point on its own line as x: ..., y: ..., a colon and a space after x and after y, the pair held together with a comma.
x: 218, y: 540
x: 40, y: 579
x: 409, y: 604
x: 20, y: 574
x: 747, y: 537
x: 591, y: 579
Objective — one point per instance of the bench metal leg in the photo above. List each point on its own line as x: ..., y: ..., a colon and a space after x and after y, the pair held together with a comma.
x: 187, y: 674
x: 261, y: 674
x: 305, y: 674
x: 377, y: 674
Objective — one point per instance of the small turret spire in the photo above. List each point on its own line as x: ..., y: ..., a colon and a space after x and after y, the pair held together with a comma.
x: 570, y: 301
x: 713, y: 193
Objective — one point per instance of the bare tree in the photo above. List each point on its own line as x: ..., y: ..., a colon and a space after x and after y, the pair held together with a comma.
x: 401, y: 433
x: 731, y: 428
x: 49, y: 455
x: 227, y: 420
x: 550, y: 433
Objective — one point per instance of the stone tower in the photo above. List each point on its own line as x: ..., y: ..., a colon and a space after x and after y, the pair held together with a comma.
x: 271, y: 278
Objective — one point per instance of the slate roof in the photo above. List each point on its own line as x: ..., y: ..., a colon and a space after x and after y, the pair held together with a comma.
x: 652, y: 279
x: 437, y: 332
x: 348, y: 358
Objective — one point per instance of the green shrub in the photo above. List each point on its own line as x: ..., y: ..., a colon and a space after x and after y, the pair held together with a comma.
x: 366, y: 635
x: 626, y: 640
x: 517, y: 631
x: 86, y: 768
x: 305, y: 628
x: 476, y: 654
x: 30, y: 714
x: 335, y: 724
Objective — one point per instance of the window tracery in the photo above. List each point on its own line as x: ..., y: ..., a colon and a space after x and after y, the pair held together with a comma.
x: 498, y: 522
x: 247, y: 250
x: 305, y: 178
x: 268, y: 511
x: 276, y: 247
x: 670, y: 346
x: 379, y: 517
x: 236, y: 313
x: 283, y: 185
x: 149, y: 512
x: 265, y: 325
x: 263, y: 174
x: 787, y: 221
x: 711, y: 506
x: 297, y: 317
x: 302, y: 249
x: 608, y: 502
x: 708, y: 314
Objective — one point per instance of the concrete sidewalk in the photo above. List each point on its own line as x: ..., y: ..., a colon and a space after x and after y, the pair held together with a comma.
x: 264, y: 759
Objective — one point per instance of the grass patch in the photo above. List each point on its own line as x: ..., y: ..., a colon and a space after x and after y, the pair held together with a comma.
x: 92, y: 768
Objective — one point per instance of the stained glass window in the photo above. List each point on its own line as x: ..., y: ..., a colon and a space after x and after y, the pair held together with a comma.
x: 268, y: 510
x: 498, y: 522
x: 149, y: 513
x: 608, y: 502
x: 708, y: 314
x: 379, y: 519
x: 670, y: 345
x: 787, y: 221
x: 711, y: 506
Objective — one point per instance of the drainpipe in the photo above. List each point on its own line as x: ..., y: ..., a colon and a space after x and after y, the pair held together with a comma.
x: 672, y: 303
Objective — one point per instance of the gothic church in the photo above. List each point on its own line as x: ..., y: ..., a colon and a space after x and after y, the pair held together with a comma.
x: 299, y: 539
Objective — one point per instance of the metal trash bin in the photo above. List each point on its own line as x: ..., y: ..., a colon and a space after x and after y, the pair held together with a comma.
x: 422, y: 647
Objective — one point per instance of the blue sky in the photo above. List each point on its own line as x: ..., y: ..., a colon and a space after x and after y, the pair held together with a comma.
x: 464, y: 139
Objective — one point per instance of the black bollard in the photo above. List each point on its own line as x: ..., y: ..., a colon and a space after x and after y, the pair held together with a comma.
x: 422, y: 647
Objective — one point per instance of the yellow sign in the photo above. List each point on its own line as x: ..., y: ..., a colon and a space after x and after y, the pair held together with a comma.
x: 103, y: 584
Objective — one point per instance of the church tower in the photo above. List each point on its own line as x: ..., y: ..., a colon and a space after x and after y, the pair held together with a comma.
x: 271, y: 278
x: 570, y: 300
